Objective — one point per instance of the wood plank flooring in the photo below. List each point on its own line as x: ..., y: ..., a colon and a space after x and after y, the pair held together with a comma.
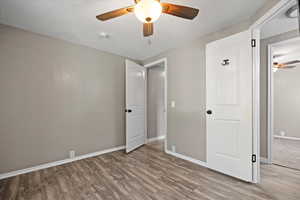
x: 286, y: 152
x: 146, y: 174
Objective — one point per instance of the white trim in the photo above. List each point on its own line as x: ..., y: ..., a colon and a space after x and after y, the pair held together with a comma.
x: 152, y: 64
x: 146, y: 106
x: 286, y: 138
x: 162, y: 137
x: 264, y: 160
x: 270, y: 103
x: 60, y: 162
x: 256, y: 105
x: 163, y: 60
x: 195, y: 161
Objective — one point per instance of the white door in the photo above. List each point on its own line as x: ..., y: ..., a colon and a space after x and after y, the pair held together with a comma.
x: 135, y: 105
x: 229, y: 105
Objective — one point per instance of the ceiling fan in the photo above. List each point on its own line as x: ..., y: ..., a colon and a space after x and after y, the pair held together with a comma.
x: 148, y: 11
x: 287, y: 65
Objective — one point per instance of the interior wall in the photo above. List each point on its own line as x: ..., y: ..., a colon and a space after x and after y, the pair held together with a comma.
x: 264, y: 86
x: 186, y: 122
x: 156, y: 101
x: 287, y: 102
x: 56, y: 97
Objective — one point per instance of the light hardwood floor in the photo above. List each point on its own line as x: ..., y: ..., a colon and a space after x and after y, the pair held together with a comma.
x: 146, y: 174
x: 286, y: 152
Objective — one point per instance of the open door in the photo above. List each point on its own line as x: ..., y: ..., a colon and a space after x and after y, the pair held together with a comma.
x: 229, y: 105
x: 135, y: 105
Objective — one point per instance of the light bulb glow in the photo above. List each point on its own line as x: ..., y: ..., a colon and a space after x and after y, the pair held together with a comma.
x: 148, y: 11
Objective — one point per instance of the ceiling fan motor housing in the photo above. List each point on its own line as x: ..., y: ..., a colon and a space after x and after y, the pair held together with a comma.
x: 148, y: 11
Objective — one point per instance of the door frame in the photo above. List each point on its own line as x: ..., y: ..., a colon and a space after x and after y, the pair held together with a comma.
x: 255, y: 28
x: 149, y: 65
x: 270, y: 104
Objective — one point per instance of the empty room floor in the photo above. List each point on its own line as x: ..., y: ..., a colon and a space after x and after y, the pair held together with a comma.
x: 147, y: 174
x: 286, y: 153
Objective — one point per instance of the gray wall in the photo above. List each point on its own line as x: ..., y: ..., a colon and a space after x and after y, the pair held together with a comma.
x: 156, y: 101
x: 56, y: 97
x: 287, y: 102
x: 264, y: 86
x: 186, y: 123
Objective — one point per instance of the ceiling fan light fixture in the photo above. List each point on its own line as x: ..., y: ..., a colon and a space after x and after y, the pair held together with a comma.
x: 292, y: 12
x: 148, y: 11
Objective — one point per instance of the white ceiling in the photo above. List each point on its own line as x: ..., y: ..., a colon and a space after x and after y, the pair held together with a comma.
x: 287, y: 51
x: 279, y: 24
x: 75, y: 21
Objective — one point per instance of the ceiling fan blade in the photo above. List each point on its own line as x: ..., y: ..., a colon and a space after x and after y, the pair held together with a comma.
x: 115, y: 13
x: 286, y: 65
x: 180, y: 11
x: 292, y: 62
x: 283, y: 66
x: 289, y: 67
x: 148, y: 29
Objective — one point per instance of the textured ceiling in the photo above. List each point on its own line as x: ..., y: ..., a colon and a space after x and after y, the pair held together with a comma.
x: 74, y: 20
x: 280, y: 24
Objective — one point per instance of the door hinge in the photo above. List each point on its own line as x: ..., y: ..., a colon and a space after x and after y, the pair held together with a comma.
x: 253, y: 158
x: 253, y: 43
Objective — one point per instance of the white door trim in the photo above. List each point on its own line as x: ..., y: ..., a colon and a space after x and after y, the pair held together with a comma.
x: 149, y: 140
x: 255, y: 28
x: 152, y: 64
x: 256, y: 106
x: 270, y: 105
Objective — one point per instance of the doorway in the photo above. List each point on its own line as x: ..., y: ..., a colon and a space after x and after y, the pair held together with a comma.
x: 156, y: 100
x: 146, y: 103
x: 284, y: 133
x: 279, y: 63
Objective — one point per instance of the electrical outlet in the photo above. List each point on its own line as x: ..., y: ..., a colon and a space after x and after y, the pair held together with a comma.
x: 173, y: 148
x: 72, y: 154
x: 282, y: 133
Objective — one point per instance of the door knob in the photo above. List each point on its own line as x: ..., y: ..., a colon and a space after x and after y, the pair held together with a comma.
x: 209, y: 112
x: 128, y: 110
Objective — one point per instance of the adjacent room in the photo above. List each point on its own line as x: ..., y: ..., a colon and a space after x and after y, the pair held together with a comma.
x: 280, y: 60
x: 149, y: 100
x: 286, y: 90
x: 156, y: 101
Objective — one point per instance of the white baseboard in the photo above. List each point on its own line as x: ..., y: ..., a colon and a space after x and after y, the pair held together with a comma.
x: 286, y: 138
x: 195, y: 161
x: 60, y: 162
x: 156, y: 139
x: 264, y: 160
